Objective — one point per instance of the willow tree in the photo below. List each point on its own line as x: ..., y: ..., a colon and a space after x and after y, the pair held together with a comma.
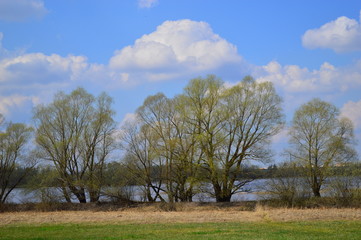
x: 232, y: 126
x: 320, y: 139
x: 188, y: 153
x: 13, y: 154
x: 173, y: 142
x: 159, y: 115
x: 75, y: 132
x: 142, y: 158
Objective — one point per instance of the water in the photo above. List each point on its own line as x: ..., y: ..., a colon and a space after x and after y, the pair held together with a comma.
x: 257, y: 192
x: 21, y: 195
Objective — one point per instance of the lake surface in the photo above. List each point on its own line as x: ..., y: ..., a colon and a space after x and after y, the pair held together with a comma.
x: 256, y: 190
x: 21, y: 195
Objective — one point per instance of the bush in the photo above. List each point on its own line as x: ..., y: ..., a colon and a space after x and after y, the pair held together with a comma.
x: 346, y: 190
x: 286, y: 187
x: 119, y: 194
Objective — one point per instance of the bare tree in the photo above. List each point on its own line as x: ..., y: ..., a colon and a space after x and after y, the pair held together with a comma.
x: 174, y: 143
x: 75, y: 132
x: 206, y: 133
x: 157, y: 113
x: 234, y: 125
x: 320, y: 139
x: 142, y: 158
x: 13, y: 153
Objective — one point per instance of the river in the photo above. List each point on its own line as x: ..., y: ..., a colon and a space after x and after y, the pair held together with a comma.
x: 22, y: 195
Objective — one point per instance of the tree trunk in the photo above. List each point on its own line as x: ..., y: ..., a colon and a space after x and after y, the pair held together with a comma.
x: 222, y: 195
x: 316, y: 187
x: 316, y: 192
x: 66, y: 194
x: 81, y: 196
x: 190, y: 194
x: 148, y: 193
x: 79, y: 193
x: 94, y: 195
x: 223, y: 198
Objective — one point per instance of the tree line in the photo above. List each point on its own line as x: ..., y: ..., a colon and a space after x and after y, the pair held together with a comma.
x: 198, y: 141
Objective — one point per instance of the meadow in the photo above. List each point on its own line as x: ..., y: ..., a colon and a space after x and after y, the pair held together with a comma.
x: 226, y: 230
x: 188, y: 222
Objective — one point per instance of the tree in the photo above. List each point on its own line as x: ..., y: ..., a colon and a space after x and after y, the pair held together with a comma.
x: 1, y: 119
x: 142, y: 157
x: 13, y: 143
x: 156, y: 116
x: 206, y: 133
x: 232, y: 126
x: 164, y: 135
x: 75, y: 132
x: 320, y: 139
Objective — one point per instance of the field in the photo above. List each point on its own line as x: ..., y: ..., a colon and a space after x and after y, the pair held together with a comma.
x: 190, y: 222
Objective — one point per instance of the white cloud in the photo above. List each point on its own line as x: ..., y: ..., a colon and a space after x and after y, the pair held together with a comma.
x: 144, y: 55
x: 174, y: 49
x: 27, y: 79
x: 129, y: 118
x: 177, y: 49
x: 341, y: 35
x: 352, y: 110
x: 37, y: 68
x: 147, y: 3
x: 42, y: 75
x: 16, y: 101
x: 21, y: 10
x: 293, y: 78
x: 24, y: 70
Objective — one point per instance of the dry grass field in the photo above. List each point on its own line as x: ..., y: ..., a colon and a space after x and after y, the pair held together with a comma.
x: 187, y: 213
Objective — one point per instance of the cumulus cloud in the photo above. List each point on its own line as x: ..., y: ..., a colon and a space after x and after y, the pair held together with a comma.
x: 341, y: 35
x: 175, y: 48
x: 293, y: 78
x: 21, y: 10
x: 147, y: 3
x: 40, y: 68
x: 352, y: 110
x: 27, y: 78
x: 129, y: 118
x: 10, y: 103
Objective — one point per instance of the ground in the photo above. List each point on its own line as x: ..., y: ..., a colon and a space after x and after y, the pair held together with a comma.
x: 153, y: 214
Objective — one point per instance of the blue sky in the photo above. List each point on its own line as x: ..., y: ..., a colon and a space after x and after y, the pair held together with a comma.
x: 135, y: 48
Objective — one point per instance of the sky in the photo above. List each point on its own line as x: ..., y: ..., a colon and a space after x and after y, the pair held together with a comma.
x: 135, y: 48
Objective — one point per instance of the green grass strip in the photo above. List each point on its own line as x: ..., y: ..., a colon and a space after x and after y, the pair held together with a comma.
x: 263, y: 230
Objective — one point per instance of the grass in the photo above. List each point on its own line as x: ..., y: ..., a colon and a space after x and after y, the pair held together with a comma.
x: 190, y: 221
x: 228, y: 230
